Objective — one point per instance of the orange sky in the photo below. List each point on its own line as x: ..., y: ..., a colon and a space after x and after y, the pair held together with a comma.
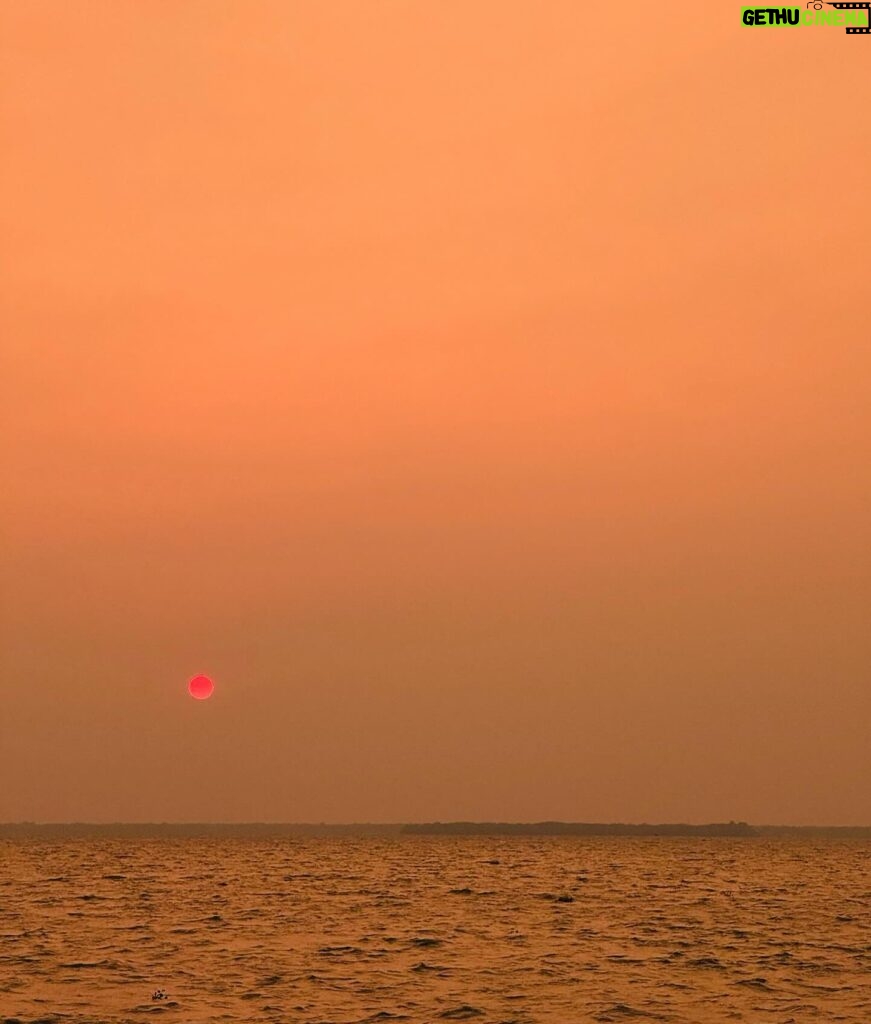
x: 480, y: 392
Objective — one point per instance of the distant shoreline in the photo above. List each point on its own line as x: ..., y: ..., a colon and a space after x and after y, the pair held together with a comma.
x: 265, y: 830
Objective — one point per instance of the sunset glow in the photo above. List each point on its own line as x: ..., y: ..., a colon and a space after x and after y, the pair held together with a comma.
x: 482, y: 390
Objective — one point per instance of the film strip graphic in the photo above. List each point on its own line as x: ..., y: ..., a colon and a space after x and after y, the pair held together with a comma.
x: 854, y: 30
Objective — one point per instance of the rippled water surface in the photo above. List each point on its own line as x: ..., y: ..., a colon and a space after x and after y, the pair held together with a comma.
x: 436, y: 929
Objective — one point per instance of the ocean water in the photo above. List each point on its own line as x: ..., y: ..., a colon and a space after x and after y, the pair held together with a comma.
x: 436, y: 929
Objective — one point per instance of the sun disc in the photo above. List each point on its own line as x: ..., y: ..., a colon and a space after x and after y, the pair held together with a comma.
x: 201, y: 687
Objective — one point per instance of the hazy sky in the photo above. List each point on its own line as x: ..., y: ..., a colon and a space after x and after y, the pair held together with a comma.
x: 480, y: 392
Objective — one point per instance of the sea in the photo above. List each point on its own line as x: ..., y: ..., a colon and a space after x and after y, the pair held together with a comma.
x: 509, y: 930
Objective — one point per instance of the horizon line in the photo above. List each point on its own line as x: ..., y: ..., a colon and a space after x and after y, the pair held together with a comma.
x: 401, y: 823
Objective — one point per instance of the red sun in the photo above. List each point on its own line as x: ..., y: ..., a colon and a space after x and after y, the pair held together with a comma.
x: 201, y: 687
